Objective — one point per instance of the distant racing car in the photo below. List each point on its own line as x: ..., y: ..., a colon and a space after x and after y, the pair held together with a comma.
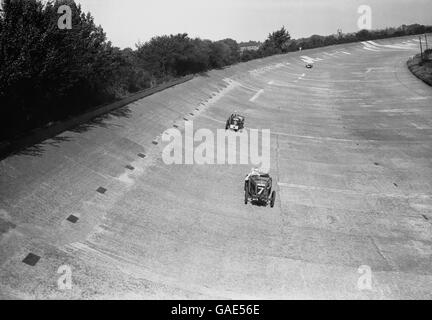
x: 235, y: 122
x: 258, y: 189
x: 309, y: 65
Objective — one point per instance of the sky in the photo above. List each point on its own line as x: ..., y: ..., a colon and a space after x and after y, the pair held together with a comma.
x: 127, y: 22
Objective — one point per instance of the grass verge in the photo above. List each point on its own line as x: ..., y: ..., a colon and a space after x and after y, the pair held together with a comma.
x: 421, y: 69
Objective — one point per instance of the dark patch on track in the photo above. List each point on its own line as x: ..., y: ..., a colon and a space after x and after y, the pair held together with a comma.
x: 72, y: 219
x: 31, y: 259
x: 101, y: 190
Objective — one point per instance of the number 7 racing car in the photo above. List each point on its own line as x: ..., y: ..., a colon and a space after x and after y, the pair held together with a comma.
x: 258, y: 189
x: 235, y: 122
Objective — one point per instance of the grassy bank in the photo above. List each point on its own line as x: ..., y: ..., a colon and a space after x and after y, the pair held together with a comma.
x: 421, y: 69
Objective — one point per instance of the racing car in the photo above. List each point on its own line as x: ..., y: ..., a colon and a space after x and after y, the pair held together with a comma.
x: 309, y: 65
x: 235, y: 122
x: 258, y: 189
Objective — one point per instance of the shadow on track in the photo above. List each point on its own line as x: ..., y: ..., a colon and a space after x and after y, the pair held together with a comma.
x: 35, y: 143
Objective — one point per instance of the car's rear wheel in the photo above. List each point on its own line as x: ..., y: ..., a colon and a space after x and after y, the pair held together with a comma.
x: 227, y: 125
x: 273, y: 198
x: 246, y: 198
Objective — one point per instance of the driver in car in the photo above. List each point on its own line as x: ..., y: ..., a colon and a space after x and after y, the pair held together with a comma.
x: 254, y: 172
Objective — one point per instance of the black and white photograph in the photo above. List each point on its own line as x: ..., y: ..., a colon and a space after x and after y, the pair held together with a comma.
x: 191, y: 151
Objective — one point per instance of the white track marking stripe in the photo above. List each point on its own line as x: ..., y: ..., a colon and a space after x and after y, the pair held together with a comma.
x: 256, y: 95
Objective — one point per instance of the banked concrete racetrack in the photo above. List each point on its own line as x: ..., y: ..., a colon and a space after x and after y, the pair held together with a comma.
x: 351, y: 150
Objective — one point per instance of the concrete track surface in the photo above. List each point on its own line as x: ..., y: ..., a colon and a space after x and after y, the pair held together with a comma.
x: 351, y: 159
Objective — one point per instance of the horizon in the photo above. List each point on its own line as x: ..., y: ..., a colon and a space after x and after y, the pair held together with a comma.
x: 244, y: 20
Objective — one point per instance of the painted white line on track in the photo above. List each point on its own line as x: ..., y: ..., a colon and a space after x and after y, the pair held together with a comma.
x: 418, y: 127
x: 307, y: 59
x: 375, y: 69
x: 248, y: 87
x: 418, y: 98
x: 256, y: 95
x: 351, y: 192
x: 370, y: 49
x: 391, y: 46
x: 212, y: 118
x: 407, y: 111
x: 314, y: 138
x: 301, y: 77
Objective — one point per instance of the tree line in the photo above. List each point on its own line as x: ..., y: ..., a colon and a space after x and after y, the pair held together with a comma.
x: 48, y: 74
x: 280, y: 41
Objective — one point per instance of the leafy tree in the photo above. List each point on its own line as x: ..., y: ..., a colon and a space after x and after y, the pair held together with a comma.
x: 175, y: 55
x: 276, y: 43
x: 219, y: 54
x: 234, y: 54
x: 363, y: 35
x: 47, y: 73
x: 248, y: 55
